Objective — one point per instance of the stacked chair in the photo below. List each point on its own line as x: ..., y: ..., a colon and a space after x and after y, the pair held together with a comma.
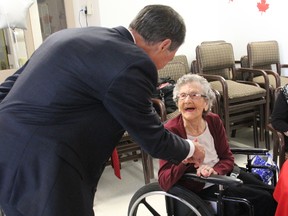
x: 265, y: 55
x: 242, y: 102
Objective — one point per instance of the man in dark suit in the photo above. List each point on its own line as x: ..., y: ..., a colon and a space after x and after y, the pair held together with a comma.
x: 69, y: 108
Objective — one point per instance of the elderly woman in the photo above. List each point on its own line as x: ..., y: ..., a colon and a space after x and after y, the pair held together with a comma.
x: 194, y: 99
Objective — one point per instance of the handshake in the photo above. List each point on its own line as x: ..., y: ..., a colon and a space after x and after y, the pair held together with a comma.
x: 198, y: 156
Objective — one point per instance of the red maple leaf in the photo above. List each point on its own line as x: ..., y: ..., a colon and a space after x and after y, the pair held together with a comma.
x: 262, y: 6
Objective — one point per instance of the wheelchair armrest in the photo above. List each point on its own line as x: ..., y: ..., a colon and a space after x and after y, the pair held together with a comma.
x: 249, y: 151
x: 215, y: 179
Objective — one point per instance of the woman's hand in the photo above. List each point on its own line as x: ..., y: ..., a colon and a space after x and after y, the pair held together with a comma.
x: 205, y: 170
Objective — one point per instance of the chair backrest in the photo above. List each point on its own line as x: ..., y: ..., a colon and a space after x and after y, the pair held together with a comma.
x: 244, y: 61
x: 216, y: 58
x: 175, y: 68
x: 194, y: 64
x: 213, y: 42
x: 183, y: 59
x: 263, y: 55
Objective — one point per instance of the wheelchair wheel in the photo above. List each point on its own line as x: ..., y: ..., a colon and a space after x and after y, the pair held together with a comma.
x: 152, y: 200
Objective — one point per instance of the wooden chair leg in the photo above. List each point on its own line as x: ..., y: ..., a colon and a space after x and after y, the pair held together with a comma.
x: 255, y: 133
x: 147, y: 167
x: 267, y: 139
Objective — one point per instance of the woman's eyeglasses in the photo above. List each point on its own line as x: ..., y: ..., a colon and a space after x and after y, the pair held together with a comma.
x: 193, y: 96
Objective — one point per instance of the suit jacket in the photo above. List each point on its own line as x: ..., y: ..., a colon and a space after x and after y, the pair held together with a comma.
x: 170, y: 174
x: 73, y: 100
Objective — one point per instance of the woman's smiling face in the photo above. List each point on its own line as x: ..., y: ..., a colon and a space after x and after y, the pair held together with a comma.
x: 191, y: 101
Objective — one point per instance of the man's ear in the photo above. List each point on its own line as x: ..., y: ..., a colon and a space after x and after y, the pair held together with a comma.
x: 165, y: 44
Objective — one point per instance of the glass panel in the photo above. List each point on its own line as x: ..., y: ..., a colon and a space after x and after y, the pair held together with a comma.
x: 4, y: 64
x: 16, y: 47
x: 52, y: 16
x: 20, y: 52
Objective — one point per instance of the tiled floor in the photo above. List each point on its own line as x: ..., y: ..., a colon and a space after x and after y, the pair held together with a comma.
x: 113, y: 195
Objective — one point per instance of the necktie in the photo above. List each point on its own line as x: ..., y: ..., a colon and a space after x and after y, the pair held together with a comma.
x: 116, y: 163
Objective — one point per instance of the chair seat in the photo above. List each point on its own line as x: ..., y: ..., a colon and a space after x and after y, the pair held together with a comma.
x: 272, y: 82
x: 238, y: 90
x: 173, y: 114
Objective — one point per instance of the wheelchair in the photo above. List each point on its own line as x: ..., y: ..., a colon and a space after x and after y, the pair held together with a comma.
x: 179, y: 201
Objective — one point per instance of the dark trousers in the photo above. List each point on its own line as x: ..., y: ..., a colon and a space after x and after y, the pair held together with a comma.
x: 70, y: 196
x: 9, y: 210
x: 254, y: 190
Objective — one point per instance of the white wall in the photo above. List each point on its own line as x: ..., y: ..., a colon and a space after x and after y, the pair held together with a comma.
x: 80, y: 19
x: 237, y: 21
x: 124, y: 11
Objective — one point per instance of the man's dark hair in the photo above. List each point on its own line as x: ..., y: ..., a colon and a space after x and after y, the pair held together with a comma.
x: 156, y: 23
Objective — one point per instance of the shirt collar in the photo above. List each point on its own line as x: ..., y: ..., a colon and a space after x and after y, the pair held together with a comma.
x: 132, y: 36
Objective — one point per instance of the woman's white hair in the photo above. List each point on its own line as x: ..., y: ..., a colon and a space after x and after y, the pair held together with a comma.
x: 206, y: 88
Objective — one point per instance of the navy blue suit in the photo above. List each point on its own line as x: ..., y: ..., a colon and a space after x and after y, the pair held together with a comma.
x: 67, y: 111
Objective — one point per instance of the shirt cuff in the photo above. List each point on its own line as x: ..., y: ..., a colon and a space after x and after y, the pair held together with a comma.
x: 192, y: 148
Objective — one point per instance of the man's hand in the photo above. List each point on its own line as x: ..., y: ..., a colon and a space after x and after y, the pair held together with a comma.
x: 198, y: 156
